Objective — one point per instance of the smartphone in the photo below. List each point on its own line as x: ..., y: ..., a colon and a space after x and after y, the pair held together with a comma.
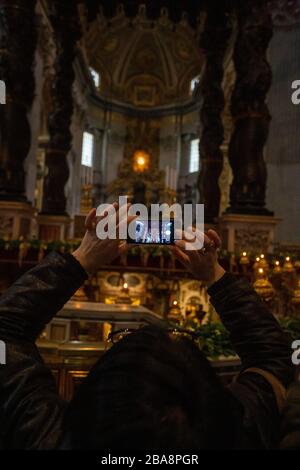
x: 152, y: 232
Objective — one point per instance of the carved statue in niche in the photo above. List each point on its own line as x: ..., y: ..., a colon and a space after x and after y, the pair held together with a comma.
x: 138, y: 174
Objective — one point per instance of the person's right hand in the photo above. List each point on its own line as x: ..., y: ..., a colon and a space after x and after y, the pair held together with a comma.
x: 203, y: 264
x: 92, y: 252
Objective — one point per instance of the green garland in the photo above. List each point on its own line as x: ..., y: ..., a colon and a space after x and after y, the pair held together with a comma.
x: 214, y: 339
x: 154, y: 251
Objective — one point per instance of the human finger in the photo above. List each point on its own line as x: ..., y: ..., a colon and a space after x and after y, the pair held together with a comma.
x: 180, y: 255
x: 213, y: 235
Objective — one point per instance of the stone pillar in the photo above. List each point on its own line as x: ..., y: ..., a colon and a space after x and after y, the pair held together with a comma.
x: 249, y: 110
x: 214, y: 41
x: 18, y: 39
x: 67, y: 31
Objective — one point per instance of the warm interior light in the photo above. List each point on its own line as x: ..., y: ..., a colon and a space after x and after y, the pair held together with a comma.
x: 277, y: 263
x: 141, y: 161
x: 262, y: 256
x: 287, y: 258
x: 125, y: 285
x: 260, y: 270
x: 257, y: 259
x: 244, y: 253
x: 175, y: 302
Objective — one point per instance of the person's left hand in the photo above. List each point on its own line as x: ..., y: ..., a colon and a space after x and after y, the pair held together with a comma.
x: 203, y: 264
x: 93, y: 252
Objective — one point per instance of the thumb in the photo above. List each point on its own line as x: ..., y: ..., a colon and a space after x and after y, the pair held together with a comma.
x: 90, y: 218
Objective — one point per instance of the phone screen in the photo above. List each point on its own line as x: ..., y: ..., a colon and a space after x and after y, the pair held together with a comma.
x: 153, y: 232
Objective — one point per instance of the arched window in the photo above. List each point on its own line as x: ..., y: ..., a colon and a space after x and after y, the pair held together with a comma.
x: 193, y: 84
x: 96, y: 77
x: 87, y: 149
x: 194, y: 156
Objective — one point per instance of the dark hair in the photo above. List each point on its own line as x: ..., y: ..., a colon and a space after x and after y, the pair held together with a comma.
x: 152, y: 390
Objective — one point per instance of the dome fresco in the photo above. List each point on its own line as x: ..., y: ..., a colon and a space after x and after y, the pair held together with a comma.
x: 143, y: 62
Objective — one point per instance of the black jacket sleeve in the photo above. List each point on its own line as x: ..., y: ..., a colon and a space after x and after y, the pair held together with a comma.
x: 30, y: 408
x: 255, y: 333
x: 260, y: 343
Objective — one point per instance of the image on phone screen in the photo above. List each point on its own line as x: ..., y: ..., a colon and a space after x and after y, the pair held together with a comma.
x: 153, y: 232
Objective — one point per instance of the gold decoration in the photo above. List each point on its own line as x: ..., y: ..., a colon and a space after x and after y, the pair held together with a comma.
x: 296, y: 295
x: 145, y: 184
x: 86, y: 201
x: 175, y: 314
x: 244, y: 258
x: 141, y: 160
x: 263, y: 263
x: 124, y: 297
x: 277, y: 268
x: 80, y: 295
x: 262, y: 285
x: 288, y: 265
x: 23, y: 250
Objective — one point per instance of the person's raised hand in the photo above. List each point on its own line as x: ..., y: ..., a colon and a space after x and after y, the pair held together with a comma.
x: 93, y: 252
x: 203, y: 263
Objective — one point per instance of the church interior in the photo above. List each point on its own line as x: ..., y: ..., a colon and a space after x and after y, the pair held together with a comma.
x: 166, y: 101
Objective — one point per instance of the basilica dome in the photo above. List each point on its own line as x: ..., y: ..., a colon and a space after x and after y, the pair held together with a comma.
x: 144, y: 62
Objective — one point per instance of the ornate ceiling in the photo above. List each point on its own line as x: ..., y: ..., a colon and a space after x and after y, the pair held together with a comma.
x: 142, y: 61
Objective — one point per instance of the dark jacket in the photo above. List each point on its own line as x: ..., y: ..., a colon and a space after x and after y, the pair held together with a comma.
x: 31, y: 411
x: 290, y: 428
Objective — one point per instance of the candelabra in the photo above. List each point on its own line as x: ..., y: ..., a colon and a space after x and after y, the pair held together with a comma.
x: 276, y: 281
x: 86, y: 201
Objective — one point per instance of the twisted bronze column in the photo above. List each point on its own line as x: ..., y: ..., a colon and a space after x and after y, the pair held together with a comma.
x: 67, y: 31
x: 214, y: 41
x: 18, y: 40
x: 249, y: 110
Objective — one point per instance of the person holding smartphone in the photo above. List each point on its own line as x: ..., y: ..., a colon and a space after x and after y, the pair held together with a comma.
x: 153, y: 389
